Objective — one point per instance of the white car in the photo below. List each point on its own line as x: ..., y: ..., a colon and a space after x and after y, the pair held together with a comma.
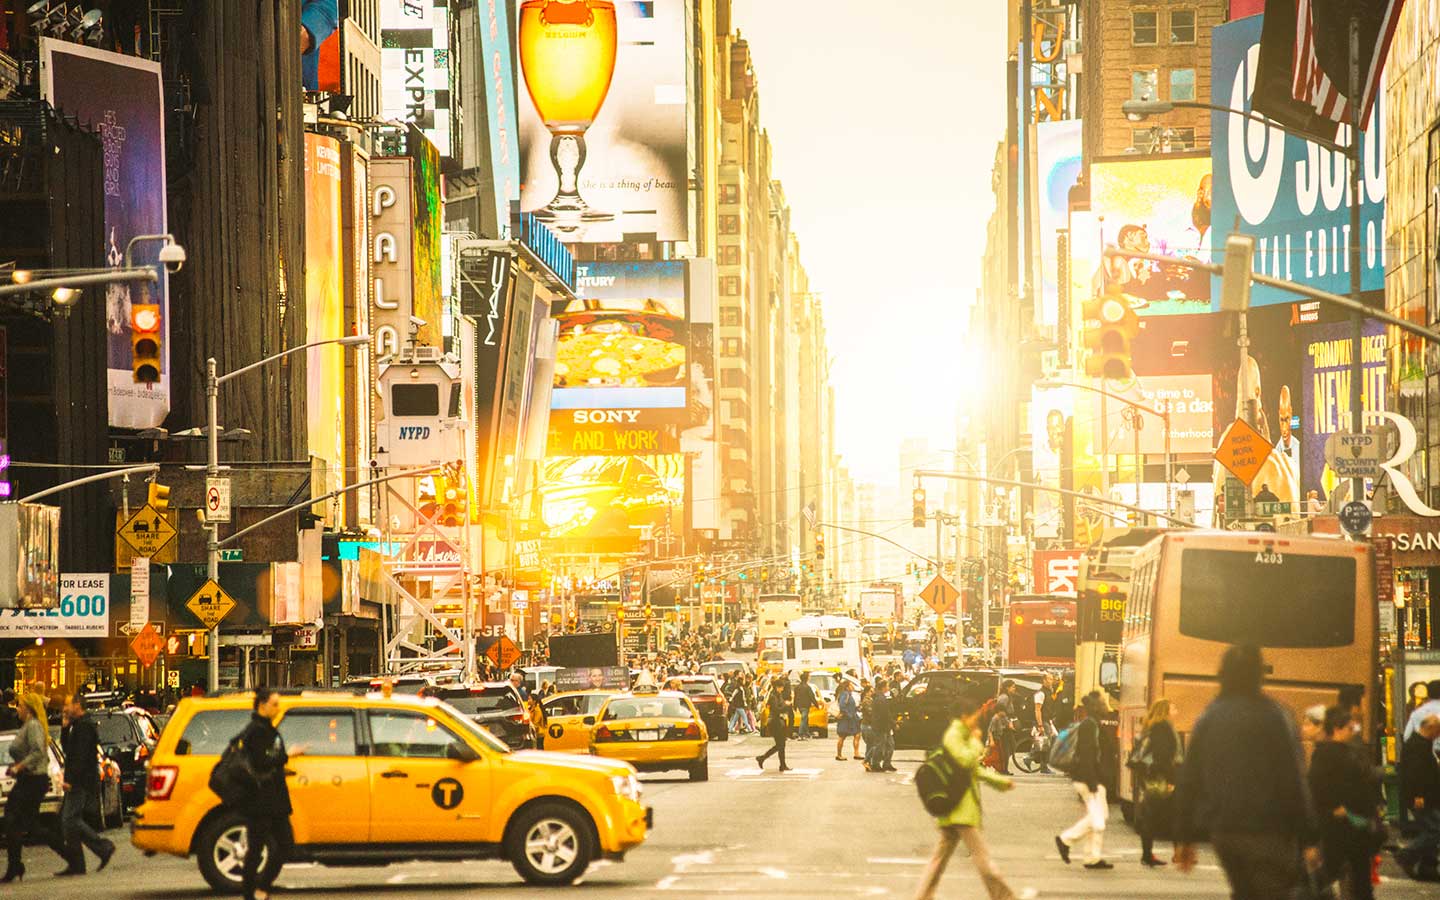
x: 110, y: 803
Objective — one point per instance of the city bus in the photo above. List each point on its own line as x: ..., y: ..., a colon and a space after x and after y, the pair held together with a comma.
x: 825, y: 642
x: 1308, y: 602
x: 1040, y: 631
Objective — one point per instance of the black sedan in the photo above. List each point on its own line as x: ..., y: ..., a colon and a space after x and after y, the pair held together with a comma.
x: 128, y: 736
x: 497, y: 705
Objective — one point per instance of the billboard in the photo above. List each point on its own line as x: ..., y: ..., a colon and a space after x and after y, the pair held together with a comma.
x: 1325, y: 359
x: 324, y: 308
x: 623, y: 345
x: 499, y: 74
x: 83, y: 612
x: 1058, y: 145
x: 393, y: 280
x: 121, y: 97
x: 610, y: 503
x: 1051, y: 411
x: 425, y: 228
x: 699, y: 438
x: 602, y: 104
x: 1289, y: 193
x: 1162, y: 206
x: 415, y: 67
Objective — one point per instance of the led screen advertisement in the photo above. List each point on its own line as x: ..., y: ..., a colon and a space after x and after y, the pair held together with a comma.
x: 1051, y: 410
x: 1058, y: 146
x: 1159, y: 206
x: 499, y: 74
x: 602, y: 99
x: 1325, y: 374
x: 121, y: 98
x: 415, y: 67
x: 611, y: 503
x: 324, y: 304
x: 1291, y: 195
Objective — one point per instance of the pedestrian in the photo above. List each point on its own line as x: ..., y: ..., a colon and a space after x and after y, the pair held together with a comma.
x: 803, y: 697
x: 517, y: 681
x: 1347, y: 800
x: 997, y: 735
x: 1243, y: 783
x: 1420, y: 796
x: 848, y: 725
x: 1431, y: 707
x: 1085, y: 777
x: 1153, y: 768
x: 882, y: 725
x: 778, y: 707
x: 963, y: 822
x: 30, y: 767
x: 1043, y: 705
x: 1312, y: 724
x: 81, y: 741
x: 266, y: 809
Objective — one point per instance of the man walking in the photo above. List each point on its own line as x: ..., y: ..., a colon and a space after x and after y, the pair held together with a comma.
x: 81, y: 742
x: 1424, y: 711
x: 804, y: 698
x: 1243, y: 782
x: 1420, y: 794
x: 1085, y: 776
x: 777, y: 704
x: 882, y: 723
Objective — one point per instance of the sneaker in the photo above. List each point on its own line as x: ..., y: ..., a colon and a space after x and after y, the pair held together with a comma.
x: 1099, y: 865
x: 1063, y: 848
x: 888, y: 769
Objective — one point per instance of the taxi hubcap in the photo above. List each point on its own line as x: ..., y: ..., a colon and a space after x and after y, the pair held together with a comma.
x: 230, y: 850
x: 551, y: 845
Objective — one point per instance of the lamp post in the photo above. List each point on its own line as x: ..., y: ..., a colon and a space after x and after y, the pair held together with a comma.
x: 1139, y: 110
x: 212, y: 465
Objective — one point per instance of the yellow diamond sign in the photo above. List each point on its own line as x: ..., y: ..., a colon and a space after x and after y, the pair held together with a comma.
x: 210, y: 603
x: 147, y: 531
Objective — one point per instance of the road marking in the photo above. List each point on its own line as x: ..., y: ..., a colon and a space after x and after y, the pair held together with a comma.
x: 757, y: 774
x: 897, y: 861
x: 769, y: 872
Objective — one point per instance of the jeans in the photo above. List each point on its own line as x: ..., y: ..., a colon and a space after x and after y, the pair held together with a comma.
x: 1091, y: 826
x: 1422, y: 851
x: 76, y: 829
x: 737, y: 719
x: 879, y: 747
x: 777, y: 747
x: 1258, y: 866
x: 950, y: 836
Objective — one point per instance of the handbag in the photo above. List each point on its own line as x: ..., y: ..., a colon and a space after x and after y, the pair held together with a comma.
x: 1140, y: 757
x: 233, y: 778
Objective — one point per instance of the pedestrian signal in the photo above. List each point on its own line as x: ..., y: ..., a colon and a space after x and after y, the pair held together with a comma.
x: 145, y: 342
x: 1110, y: 327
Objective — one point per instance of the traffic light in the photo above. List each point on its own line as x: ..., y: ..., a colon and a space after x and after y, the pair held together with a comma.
x: 158, y: 496
x: 819, y: 546
x: 1110, y: 326
x: 917, y: 513
x: 145, y: 342
x: 446, y: 506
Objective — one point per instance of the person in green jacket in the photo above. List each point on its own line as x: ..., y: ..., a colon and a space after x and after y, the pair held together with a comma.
x: 962, y: 742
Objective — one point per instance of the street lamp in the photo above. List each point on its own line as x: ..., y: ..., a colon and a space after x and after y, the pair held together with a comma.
x: 212, y: 461
x: 1138, y: 110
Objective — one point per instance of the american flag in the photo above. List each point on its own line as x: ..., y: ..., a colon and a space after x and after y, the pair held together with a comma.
x: 1322, y: 50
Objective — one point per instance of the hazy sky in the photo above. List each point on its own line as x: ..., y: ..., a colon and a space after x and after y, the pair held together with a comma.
x: 884, y: 119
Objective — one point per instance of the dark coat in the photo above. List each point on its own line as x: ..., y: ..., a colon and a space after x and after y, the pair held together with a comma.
x: 264, y: 748
x: 81, y: 742
x: 779, y: 710
x: 1164, y: 751
x: 1086, y: 769
x: 1419, y: 772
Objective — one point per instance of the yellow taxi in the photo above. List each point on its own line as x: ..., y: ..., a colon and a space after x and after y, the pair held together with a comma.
x: 653, y: 731
x: 817, y: 722
x: 390, y: 779
x: 569, y: 719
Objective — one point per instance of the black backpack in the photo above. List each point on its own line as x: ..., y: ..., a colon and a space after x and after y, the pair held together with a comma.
x: 233, y: 779
x: 941, y: 782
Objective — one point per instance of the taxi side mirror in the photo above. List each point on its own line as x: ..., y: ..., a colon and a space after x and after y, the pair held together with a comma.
x: 588, y: 720
x: 461, y: 752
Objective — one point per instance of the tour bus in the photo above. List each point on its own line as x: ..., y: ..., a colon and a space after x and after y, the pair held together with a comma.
x: 1307, y: 602
x: 1040, y: 631
x: 825, y: 642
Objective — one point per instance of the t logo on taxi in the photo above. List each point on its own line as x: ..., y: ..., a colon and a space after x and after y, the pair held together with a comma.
x: 447, y: 793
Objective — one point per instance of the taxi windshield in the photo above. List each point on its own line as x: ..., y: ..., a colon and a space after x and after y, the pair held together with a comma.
x: 647, y: 708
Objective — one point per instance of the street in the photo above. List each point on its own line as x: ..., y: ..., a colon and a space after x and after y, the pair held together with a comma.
x: 827, y: 829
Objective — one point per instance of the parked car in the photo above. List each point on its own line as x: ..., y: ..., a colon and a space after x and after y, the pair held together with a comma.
x: 704, y: 693
x: 497, y: 706
x: 111, y: 812
x: 127, y: 736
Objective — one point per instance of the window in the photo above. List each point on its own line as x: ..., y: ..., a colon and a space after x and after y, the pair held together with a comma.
x: 210, y: 730
x: 734, y: 378
x: 653, y: 707
x: 1182, y: 84
x: 730, y: 316
x: 407, y: 734
x: 1145, y: 84
x: 730, y: 255
x: 729, y: 193
x: 1162, y: 140
x: 483, y: 700
x: 730, y: 224
x: 1144, y: 28
x: 575, y: 705
x: 1277, y: 599
x: 729, y: 346
x: 730, y: 286
x: 1182, y: 26
x: 1055, y: 643
x: 415, y: 400
x: 809, y: 643
x: 323, y: 732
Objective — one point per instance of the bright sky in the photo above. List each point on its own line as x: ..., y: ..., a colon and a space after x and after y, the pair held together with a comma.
x: 884, y: 125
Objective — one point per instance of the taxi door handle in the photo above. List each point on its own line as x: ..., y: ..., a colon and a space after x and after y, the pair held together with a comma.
x: 394, y: 773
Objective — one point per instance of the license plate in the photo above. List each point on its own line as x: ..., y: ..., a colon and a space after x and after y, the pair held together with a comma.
x: 647, y: 735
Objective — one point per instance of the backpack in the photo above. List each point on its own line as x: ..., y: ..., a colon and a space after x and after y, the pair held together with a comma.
x: 233, y: 779
x: 1062, y: 749
x: 941, y: 782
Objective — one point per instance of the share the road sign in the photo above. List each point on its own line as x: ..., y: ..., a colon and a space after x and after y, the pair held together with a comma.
x: 210, y: 604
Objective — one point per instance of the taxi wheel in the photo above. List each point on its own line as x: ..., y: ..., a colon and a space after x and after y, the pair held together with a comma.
x: 549, y: 843
x: 221, y: 853
x: 700, y: 770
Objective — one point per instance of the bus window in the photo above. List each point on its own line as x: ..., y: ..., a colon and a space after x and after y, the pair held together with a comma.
x: 790, y: 648
x: 1269, y: 598
x: 832, y: 645
x: 809, y: 643
x: 1055, y: 643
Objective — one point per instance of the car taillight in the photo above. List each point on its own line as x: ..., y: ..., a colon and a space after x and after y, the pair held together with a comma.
x: 692, y: 731
x: 603, y: 733
x: 519, y: 717
x: 160, y: 782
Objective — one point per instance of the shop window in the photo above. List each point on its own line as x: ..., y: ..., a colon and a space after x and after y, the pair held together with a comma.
x: 1144, y: 28
x: 1182, y: 26
x: 1182, y: 84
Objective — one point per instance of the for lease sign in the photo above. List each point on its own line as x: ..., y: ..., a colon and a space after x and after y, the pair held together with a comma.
x: 83, y: 612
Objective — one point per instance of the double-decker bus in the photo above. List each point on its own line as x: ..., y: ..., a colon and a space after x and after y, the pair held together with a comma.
x: 1307, y: 602
x: 1040, y: 631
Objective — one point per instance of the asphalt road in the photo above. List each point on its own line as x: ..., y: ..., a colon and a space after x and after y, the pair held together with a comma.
x: 828, y: 829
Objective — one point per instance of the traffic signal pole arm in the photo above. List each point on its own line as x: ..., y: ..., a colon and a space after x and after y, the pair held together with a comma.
x: 887, y: 540
x: 103, y: 476
x: 1080, y: 495
x: 419, y: 470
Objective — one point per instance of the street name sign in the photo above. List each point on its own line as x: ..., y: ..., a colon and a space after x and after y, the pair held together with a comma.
x: 1243, y: 451
x: 210, y: 604
x: 147, y: 531
x: 940, y: 594
x: 217, y: 500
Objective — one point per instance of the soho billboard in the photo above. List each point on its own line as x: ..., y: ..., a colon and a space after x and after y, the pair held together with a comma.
x: 1290, y: 194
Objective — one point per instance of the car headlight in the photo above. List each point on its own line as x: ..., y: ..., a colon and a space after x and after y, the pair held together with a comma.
x: 627, y: 786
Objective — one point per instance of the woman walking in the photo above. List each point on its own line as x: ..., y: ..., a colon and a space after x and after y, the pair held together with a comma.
x: 962, y: 742
x: 266, y: 810
x: 30, y: 767
x: 1154, y: 771
x: 849, y: 724
x: 778, y: 718
x: 1347, y: 800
